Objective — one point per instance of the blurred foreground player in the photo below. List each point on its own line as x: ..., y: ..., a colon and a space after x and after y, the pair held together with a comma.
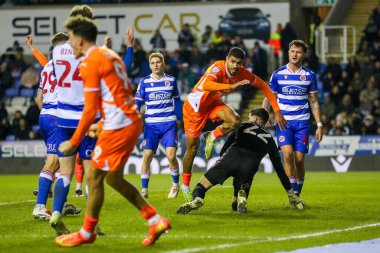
x: 106, y: 89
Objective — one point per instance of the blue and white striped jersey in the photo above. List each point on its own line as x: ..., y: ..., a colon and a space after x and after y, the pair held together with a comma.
x: 48, y: 86
x: 158, y: 96
x: 293, y: 91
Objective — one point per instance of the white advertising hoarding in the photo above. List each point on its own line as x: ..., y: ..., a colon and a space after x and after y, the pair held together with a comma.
x: 43, y: 22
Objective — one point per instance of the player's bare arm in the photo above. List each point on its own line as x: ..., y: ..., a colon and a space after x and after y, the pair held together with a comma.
x: 39, y: 98
x: 278, y: 117
x: 29, y: 42
x: 240, y: 83
x: 314, y: 104
x: 266, y: 106
x: 130, y: 36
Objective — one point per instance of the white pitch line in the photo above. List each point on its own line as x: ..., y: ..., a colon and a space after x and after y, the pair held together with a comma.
x: 142, y: 236
x: 270, y: 239
x: 18, y: 202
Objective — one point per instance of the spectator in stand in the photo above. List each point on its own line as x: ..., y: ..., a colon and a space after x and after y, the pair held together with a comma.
x: 186, y: 37
x: 275, y: 43
x: 369, y: 125
x: 19, y: 66
x: 3, y: 111
x: 375, y: 110
x: 171, y: 65
x: 328, y: 82
x: 332, y: 67
x: 183, y: 55
x: 370, y: 34
x: 340, y: 128
x: 197, y: 60
x: 376, y: 15
x: 216, y: 38
x: 328, y: 108
x: 326, y: 121
x: 375, y: 51
x: 376, y: 71
x: 287, y: 36
x: 16, y: 119
x: 30, y: 78
x: 187, y: 78
x: 10, y: 52
x: 368, y: 95
x: 140, y: 64
x: 207, y: 35
x: 6, y: 79
x: 345, y: 105
x: 260, y: 61
x: 366, y: 68
x: 107, y: 42
x: 238, y: 42
x: 357, y: 83
x: 354, y: 123
x: 157, y: 41
x: 352, y: 66
x: 344, y: 81
x: 335, y: 94
x: 22, y: 132
x: 33, y: 113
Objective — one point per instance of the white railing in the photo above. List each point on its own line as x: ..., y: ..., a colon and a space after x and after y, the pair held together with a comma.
x: 333, y: 41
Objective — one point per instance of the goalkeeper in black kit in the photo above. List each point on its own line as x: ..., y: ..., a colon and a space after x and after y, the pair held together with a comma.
x: 240, y: 158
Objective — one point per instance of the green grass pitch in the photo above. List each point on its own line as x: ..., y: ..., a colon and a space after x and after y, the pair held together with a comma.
x: 340, y: 208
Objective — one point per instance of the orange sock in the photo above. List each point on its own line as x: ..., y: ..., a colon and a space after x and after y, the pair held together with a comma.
x: 186, y: 178
x: 89, y: 223
x: 217, y: 133
x: 79, y: 171
x: 148, y: 212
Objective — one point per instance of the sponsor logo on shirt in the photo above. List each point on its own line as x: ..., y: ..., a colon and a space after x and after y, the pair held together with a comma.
x: 215, y: 70
x: 159, y: 95
x: 294, y: 90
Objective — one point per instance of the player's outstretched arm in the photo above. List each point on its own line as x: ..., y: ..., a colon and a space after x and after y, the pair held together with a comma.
x: 275, y: 158
x: 128, y: 58
x: 278, y: 117
x: 37, y: 54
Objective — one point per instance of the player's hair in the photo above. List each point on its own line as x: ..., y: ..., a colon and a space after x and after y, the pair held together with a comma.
x: 261, y: 113
x: 299, y: 43
x: 237, y: 52
x: 59, y: 38
x: 82, y: 27
x: 81, y: 10
x: 158, y: 55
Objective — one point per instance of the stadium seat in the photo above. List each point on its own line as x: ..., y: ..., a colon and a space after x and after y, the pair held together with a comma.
x: 35, y: 128
x: 27, y: 93
x: 10, y: 137
x: 11, y: 92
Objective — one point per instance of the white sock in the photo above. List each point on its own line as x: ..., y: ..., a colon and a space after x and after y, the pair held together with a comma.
x: 85, y: 234
x: 185, y: 188
x: 154, y: 219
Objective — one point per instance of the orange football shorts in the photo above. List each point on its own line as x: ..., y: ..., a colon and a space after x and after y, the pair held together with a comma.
x: 114, y: 146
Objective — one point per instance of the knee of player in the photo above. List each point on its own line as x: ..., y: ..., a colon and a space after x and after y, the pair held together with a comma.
x: 288, y: 156
x: 171, y: 157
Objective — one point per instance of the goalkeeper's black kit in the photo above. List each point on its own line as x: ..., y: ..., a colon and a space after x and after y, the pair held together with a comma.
x: 241, y: 155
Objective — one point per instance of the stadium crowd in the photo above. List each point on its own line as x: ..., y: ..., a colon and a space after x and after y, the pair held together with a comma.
x: 349, y: 93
